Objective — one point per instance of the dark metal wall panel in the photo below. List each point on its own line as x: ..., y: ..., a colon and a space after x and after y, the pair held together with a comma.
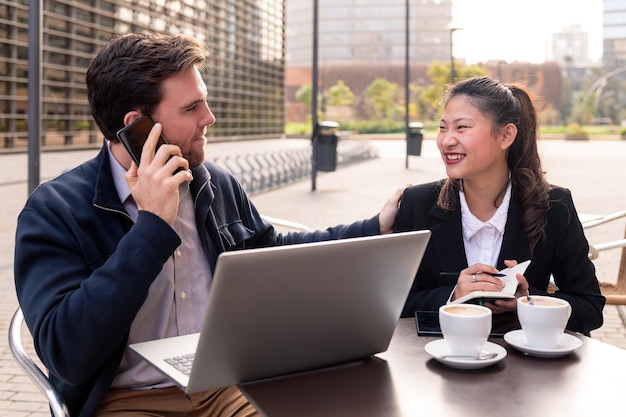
x: 246, y: 59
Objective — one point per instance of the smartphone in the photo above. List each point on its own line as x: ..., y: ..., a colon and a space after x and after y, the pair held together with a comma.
x: 134, y: 136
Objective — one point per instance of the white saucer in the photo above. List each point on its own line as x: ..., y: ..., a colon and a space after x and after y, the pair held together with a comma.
x: 438, y: 348
x: 567, y: 344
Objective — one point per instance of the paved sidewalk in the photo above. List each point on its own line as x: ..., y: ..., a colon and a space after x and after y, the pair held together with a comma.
x: 593, y: 170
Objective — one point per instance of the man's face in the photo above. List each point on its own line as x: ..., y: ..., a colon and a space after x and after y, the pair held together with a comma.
x: 185, y: 114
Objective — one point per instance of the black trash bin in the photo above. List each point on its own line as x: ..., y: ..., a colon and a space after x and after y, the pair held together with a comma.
x: 326, y: 154
x: 414, y: 141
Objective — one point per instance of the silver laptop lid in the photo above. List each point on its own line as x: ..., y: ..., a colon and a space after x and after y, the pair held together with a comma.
x: 285, y: 309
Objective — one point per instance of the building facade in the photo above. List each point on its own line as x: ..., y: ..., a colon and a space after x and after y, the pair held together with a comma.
x: 613, y: 34
x: 570, y: 47
x: 364, y: 31
x: 245, y: 39
x: 361, y: 40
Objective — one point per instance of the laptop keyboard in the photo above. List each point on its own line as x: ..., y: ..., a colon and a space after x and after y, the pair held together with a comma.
x: 182, y: 363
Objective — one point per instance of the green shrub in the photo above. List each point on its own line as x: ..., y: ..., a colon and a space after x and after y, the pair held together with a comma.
x: 575, y: 132
x: 372, y: 126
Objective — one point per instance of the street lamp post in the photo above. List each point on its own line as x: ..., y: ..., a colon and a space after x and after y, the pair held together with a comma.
x: 314, y: 83
x: 35, y: 13
x: 452, y: 75
x: 407, y: 74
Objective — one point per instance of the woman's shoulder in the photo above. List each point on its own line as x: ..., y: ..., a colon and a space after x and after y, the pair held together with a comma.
x: 560, y: 194
x: 562, y: 208
x: 426, y: 188
x: 422, y: 196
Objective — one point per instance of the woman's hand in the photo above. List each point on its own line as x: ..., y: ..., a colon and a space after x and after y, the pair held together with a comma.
x: 477, y: 278
x: 501, y: 306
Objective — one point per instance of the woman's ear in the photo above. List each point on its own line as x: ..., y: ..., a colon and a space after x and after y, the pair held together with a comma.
x: 509, y: 132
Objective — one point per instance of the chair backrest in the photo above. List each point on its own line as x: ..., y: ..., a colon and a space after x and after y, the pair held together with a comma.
x: 31, y: 369
x: 622, y: 264
x: 621, y: 274
x: 616, y: 293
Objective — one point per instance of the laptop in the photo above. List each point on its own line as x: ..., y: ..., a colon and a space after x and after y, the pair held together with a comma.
x: 287, y: 309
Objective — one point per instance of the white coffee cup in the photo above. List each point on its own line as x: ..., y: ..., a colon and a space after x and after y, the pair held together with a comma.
x: 544, y: 321
x: 465, y: 328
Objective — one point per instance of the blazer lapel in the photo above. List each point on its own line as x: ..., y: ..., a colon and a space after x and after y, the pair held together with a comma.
x: 514, y: 244
x: 447, y: 239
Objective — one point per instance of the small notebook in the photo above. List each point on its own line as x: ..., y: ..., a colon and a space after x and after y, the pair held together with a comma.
x: 508, y: 292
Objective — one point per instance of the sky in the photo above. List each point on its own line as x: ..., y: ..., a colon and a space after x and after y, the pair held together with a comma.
x: 514, y: 30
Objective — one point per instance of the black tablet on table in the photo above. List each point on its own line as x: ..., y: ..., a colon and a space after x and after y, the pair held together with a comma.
x: 427, y: 323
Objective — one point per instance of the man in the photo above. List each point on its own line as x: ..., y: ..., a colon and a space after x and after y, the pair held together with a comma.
x: 111, y: 253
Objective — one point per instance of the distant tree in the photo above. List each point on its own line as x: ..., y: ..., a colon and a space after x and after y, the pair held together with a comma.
x: 583, y: 102
x: 549, y: 116
x: 610, y: 103
x: 418, y: 110
x: 340, y: 95
x: 305, y: 94
x: 382, y: 97
x: 566, y: 109
x: 583, y: 111
x: 439, y: 81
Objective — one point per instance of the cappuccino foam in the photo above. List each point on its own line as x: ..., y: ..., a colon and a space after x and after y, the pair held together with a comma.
x: 464, y: 311
x: 544, y: 302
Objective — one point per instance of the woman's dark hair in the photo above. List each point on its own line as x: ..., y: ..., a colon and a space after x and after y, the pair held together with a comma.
x: 504, y: 104
x: 127, y: 73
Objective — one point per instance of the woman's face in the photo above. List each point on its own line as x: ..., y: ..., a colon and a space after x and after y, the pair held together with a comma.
x: 469, y: 147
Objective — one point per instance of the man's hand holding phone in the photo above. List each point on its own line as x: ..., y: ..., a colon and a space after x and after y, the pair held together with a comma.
x: 152, y: 184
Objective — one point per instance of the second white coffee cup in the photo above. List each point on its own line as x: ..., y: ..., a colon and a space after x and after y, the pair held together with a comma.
x: 465, y: 328
x: 544, y: 321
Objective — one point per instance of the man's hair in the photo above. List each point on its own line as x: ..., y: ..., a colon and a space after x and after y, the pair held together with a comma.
x: 127, y: 73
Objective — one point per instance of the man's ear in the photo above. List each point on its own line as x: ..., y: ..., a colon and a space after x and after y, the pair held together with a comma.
x: 131, y: 116
x: 509, y: 132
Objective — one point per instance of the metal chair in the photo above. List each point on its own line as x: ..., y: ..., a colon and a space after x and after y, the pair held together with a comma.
x: 615, y: 293
x: 32, y: 370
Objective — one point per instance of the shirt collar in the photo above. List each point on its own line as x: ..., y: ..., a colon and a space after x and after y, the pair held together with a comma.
x: 472, y: 225
x: 118, y: 171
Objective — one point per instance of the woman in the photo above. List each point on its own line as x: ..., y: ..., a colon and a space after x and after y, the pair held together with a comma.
x: 496, y: 209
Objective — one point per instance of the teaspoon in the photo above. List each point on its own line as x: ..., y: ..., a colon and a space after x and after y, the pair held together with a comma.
x: 481, y: 357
